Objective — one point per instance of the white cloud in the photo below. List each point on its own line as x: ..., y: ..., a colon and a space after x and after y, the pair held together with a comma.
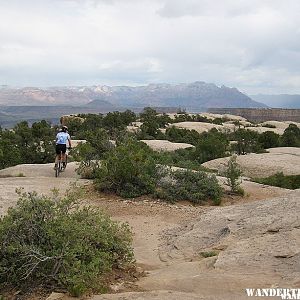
x: 252, y: 45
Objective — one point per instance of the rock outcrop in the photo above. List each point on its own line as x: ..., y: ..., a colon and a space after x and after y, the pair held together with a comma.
x: 64, y: 120
x: 283, y: 159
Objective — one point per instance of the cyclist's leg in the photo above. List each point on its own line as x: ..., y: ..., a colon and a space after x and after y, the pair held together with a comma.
x: 56, y: 157
x: 60, y: 159
x: 64, y: 156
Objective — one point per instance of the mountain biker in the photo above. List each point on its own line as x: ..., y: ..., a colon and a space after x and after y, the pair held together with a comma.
x: 61, y: 145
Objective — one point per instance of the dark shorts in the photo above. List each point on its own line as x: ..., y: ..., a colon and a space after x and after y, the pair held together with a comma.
x: 61, y: 148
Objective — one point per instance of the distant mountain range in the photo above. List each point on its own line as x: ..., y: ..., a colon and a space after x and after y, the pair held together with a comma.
x: 281, y: 101
x: 197, y: 95
x: 33, y: 103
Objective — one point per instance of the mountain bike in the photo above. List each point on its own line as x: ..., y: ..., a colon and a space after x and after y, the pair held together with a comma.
x: 60, y: 164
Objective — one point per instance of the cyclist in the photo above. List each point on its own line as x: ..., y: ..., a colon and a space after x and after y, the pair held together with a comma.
x: 61, y: 145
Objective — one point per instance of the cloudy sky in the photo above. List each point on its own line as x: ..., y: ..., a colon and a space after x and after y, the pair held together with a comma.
x: 253, y: 45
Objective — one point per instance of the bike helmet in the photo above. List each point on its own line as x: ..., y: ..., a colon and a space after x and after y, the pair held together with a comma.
x: 64, y: 128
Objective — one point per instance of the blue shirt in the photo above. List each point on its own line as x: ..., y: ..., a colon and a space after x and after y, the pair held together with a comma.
x: 62, y: 138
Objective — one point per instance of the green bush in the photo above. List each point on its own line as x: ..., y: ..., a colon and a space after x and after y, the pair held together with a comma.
x: 152, y: 124
x: 90, y: 153
x: 291, y: 136
x: 58, y: 243
x: 84, y: 152
x: 247, y: 141
x: 89, y: 160
x: 87, y: 170
x: 269, y: 139
x: 196, y: 187
x: 207, y: 254
x: 112, y: 123
x: 118, y: 120
x: 268, y: 125
x: 129, y: 170
x: 99, y: 140
x: 212, y: 144
x: 233, y: 174
x: 279, y: 179
x: 182, y: 117
x: 25, y: 144
x: 182, y: 158
x: 220, y: 121
x: 182, y: 135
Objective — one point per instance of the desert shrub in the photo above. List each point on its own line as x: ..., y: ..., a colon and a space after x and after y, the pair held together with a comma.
x: 99, y: 140
x: 84, y: 152
x: 128, y: 117
x: 207, y: 254
x: 163, y: 120
x: 291, y: 136
x: 247, y: 141
x: 112, y: 123
x: 74, y: 126
x: 220, y: 121
x: 89, y: 158
x: 116, y: 120
x: 211, y: 145
x: 123, y: 136
x: 196, y: 187
x: 10, y: 153
x: 90, y: 153
x: 88, y: 169
x: 25, y: 144
x: 199, y: 118
x: 152, y: 124
x: 269, y: 139
x: 182, y: 135
x: 60, y: 244
x: 129, y: 170
x: 279, y: 179
x: 149, y: 130
x: 91, y: 121
x: 233, y: 175
x: 268, y: 125
x: 150, y: 127
x: 182, y: 117
x: 182, y: 158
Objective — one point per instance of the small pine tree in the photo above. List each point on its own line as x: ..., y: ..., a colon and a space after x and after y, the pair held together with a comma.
x: 233, y: 174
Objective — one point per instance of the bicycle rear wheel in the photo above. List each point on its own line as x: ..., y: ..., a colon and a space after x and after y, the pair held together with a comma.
x: 57, y: 169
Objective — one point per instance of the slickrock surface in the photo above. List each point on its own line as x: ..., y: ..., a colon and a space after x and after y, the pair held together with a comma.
x: 284, y: 159
x: 39, y: 178
x: 163, y: 145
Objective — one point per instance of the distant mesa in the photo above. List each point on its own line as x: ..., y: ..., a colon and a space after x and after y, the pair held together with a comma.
x: 261, y: 114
